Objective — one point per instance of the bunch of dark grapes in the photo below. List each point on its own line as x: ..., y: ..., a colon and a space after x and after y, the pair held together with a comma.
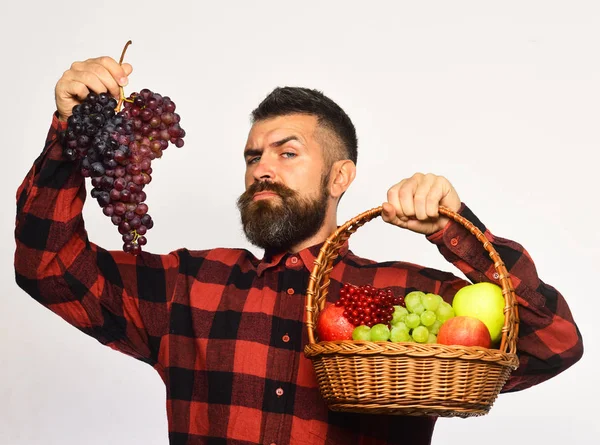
x: 368, y: 305
x: 116, y: 149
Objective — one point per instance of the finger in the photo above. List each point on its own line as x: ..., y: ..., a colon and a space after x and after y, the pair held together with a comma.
x: 76, y: 89
x: 69, y: 94
x: 88, y: 69
x: 420, y: 199
x: 118, y: 72
x: 388, y: 214
x: 406, y: 197
x: 437, y: 192
x: 127, y: 68
x: 90, y: 80
x: 394, y: 199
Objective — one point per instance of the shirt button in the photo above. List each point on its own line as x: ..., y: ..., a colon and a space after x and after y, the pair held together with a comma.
x: 279, y: 392
x: 290, y: 291
x: 285, y: 338
x: 454, y: 241
x: 496, y: 276
x: 294, y: 260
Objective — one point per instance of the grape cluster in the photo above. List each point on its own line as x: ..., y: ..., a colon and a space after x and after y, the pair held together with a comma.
x: 367, y: 305
x: 419, y: 321
x: 116, y: 149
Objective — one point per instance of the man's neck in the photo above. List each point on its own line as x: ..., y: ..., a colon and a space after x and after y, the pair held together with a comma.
x: 326, y: 229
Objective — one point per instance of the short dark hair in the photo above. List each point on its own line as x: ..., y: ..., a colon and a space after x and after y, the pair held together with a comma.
x: 291, y: 100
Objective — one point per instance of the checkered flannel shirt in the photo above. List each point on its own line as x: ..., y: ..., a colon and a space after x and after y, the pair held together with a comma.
x: 225, y: 330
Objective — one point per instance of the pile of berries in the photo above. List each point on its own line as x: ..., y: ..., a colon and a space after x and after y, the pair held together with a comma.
x: 367, y: 305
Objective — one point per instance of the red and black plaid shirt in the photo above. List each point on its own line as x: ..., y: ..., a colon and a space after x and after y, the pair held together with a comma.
x: 225, y: 330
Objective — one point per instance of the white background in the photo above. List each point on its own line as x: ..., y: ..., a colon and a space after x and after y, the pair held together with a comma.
x: 502, y: 98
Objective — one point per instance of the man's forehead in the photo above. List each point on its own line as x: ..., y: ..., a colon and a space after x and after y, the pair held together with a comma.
x: 301, y: 125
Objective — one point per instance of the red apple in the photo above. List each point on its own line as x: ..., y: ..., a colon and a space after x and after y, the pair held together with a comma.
x: 332, y: 325
x: 464, y: 331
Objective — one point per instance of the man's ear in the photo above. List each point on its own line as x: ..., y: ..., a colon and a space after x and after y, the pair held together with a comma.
x: 342, y: 175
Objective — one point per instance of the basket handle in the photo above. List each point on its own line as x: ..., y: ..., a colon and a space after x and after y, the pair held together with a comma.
x: 315, y: 301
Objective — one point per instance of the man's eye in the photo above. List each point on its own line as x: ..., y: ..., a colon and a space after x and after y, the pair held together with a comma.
x: 253, y: 160
x: 288, y: 154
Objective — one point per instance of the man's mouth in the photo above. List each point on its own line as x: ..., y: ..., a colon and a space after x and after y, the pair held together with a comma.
x: 264, y: 195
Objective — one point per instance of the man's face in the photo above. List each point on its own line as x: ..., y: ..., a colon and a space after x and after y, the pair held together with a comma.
x: 286, y: 197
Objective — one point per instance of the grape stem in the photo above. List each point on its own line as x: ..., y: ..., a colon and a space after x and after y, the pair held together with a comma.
x: 129, y: 42
x: 121, y: 91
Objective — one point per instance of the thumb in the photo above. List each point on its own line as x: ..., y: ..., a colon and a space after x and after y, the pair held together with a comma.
x: 387, y: 212
x: 127, y: 68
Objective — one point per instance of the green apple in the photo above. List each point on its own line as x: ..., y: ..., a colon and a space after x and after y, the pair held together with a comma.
x: 483, y: 301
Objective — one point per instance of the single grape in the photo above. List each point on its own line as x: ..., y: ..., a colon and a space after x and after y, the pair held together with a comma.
x: 412, y: 320
x: 418, y: 309
x: 361, y: 333
x: 444, y: 311
x: 420, y: 334
x: 399, y: 314
x: 435, y: 327
x: 428, y: 318
x: 380, y: 332
x: 412, y: 299
x: 401, y: 325
x: 432, y: 338
x: 128, y: 237
x: 398, y: 335
x: 431, y: 301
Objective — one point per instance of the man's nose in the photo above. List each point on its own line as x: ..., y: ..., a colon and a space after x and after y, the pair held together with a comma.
x: 265, y: 170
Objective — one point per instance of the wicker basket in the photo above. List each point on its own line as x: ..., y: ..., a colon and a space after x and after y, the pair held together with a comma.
x: 407, y: 378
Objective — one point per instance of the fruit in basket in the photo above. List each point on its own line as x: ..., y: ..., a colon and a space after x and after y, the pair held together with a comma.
x: 400, y: 332
x: 485, y: 302
x: 428, y: 318
x: 333, y: 325
x: 412, y: 299
x: 435, y: 327
x: 431, y: 301
x: 445, y: 311
x: 420, y: 334
x: 368, y: 305
x: 464, y: 331
x: 361, y: 332
x: 378, y: 315
x: 380, y: 332
x: 422, y: 318
x: 412, y: 321
x: 400, y: 313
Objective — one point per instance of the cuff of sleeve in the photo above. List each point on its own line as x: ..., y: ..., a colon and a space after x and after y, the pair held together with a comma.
x: 455, y: 237
x: 57, y: 124
x: 51, y: 150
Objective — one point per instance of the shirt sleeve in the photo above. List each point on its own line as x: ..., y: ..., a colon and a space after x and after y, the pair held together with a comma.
x: 113, y: 296
x: 549, y: 340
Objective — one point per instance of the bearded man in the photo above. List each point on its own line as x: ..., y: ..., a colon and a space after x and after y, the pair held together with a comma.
x: 223, y: 328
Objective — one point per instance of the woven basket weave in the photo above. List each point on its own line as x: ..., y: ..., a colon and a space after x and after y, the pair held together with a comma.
x: 407, y: 378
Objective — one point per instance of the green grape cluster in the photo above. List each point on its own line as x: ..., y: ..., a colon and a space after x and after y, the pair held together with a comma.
x: 419, y: 321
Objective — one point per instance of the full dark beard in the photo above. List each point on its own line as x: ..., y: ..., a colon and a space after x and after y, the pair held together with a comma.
x: 280, y: 223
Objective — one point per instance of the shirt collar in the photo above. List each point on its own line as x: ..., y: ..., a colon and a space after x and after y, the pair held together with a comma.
x: 308, y: 257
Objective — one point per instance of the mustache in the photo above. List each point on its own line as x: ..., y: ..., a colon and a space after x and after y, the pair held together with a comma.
x: 265, y: 186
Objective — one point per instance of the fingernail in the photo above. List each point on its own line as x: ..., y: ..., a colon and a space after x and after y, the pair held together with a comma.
x: 123, y: 81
